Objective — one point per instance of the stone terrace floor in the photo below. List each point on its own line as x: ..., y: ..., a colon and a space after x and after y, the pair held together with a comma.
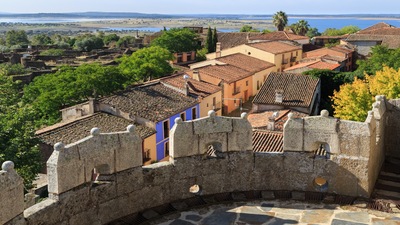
x: 278, y: 212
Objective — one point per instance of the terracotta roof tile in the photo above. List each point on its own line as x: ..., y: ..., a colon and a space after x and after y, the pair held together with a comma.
x: 391, y: 41
x: 246, y: 62
x: 377, y: 26
x: 324, y: 65
x: 153, y: 101
x: 298, y: 89
x: 267, y: 141
x: 196, y: 87
x: 73, y: 131
x: 260, y: 120
x: 227, y: 73
x: 275, y: 47
x: 278, y: 36
x: 229, y: 40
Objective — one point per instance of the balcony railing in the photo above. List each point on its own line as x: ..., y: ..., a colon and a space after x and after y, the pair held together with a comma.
x: 293, y: 59
x: 217, y: 106
x: 285, y: 61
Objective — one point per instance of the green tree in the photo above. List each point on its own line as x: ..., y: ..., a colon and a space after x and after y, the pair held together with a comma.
x: 248, y: 28
x: 9, y: 69
x: 178, y: 40
x: 125, y: 41
x: 88, y: 43
x: 300, y: 28
x: 380, y: 56
x: 280, y: 20
x: 110, y: 38
x: 146, y: 64
x: 16, y: 37
x: 41, y: 39
x: 17, y: 142
x: 344, y: 30
x: 209, y: 41
x: 353, y: 101
x: 215, y: 38
x: 69, y: 86
x: 201, y: 54
x: 312, y: 32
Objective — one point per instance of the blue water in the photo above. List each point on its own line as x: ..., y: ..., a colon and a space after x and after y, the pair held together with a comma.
x: 320, y: 23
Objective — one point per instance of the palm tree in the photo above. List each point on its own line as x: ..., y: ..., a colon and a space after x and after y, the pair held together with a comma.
x: 301, y: 27
x: 280, y: 20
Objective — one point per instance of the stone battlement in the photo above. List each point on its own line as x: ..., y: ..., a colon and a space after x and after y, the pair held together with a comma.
x: 101, y: 178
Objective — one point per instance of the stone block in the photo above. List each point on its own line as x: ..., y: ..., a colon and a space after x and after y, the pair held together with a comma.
x: 219, y: 141
x: 241, y: 137
x: 213, y: 124
x: 183, y: 142
x: 293, y: 133
x: 129, y: 154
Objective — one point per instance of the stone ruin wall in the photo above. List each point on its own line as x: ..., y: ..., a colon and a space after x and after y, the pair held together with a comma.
x: 212, y: 152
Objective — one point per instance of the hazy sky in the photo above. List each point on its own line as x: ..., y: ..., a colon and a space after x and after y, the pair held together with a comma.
x: 205, y: 6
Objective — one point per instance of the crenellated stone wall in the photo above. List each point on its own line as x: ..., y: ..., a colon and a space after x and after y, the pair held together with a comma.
x: 214, y: 153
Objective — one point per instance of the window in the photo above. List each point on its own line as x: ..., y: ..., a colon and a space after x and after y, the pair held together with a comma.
x: 166, y: 129
x: 194, y: 113
x: 214, y: 101
x: 166, y: 149
x: 247, y: 83
x: 258, y: 85
x: 183, y: 116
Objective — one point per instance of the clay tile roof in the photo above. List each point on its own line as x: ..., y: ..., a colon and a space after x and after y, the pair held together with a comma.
x: 246, y: 62
x: 275, y: 47
x: 278, y: 36
x: 267, y: 141
x: 375, y: 27
x: 196, y: 87
x: 73, y: 131
x: 227, y: 73
x: 229, y: 40
x: 324, y: 65
x: 260, y: 120
x: 153, y: 101
x: 298, y: 89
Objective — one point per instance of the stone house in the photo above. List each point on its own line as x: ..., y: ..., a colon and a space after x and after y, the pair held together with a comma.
x: 209, y: 95
x: 341, y: 54
x: 282, y: 54
x: 297, y: 92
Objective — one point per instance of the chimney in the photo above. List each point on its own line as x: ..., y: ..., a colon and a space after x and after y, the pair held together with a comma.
x: 92, y: 106
x: 218, y: 50
x: 271, y: 121
x: 196, y: 75
x: 186, y: 86
x: 278, y: 96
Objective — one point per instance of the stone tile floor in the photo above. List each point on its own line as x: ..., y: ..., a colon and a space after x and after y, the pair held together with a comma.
x: 279, y: 212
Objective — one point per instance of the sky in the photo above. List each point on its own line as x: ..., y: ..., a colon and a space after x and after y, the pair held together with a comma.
x: 205, y: 6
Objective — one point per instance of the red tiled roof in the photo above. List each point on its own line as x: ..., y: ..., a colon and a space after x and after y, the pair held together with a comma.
x: 278, y: 36
x: 227, y: 73
x: 275, y: 47
x: 153, y: 101
x: 324, y: 65
x: 267, y: 141
x: 196, y: 87
x: 75, y: 130
x: 298, y: 90
x: 377, y: 26
x: 260, y: 120
x: 229, y: 40
x: 246, y: 62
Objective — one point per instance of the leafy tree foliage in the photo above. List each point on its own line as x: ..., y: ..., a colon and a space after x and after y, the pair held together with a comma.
x: 209, y: 41
x: 344, y: 30
x: 125, y: 41
x: 266, y: 31
x: 17, y: 142
x: 385, y: 82
x: 201, y: 54
x: 215, y: 38
x: 88, y: 43
x: 280, y: 20
x: 380, y: 56
x: 248, y: 28
x: 353, y: 101
x: 300, y: 28
x: 69, y: 86
x: 312, y: 32
x: 146, y: 64
x: 9, y: 69
x: 107, y: 39
x: 178, y: 40
x: 16, y: 37
x: 41, y: 39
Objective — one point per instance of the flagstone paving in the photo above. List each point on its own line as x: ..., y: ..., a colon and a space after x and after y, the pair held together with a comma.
x: 279, y: 212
